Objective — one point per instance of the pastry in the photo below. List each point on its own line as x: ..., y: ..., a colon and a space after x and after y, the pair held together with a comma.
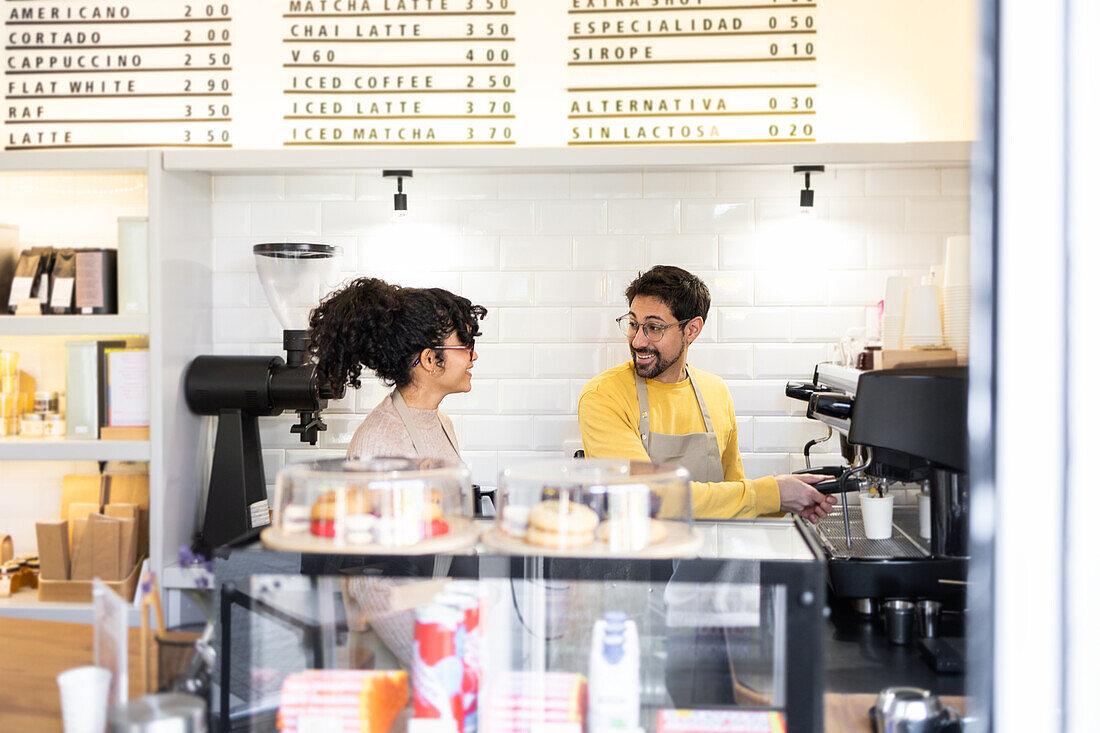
x: 322, y: 515
x: 514, y: 519
x: 557, y: 523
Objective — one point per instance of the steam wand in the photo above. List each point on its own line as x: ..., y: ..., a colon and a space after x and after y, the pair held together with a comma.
x: 844, y: 495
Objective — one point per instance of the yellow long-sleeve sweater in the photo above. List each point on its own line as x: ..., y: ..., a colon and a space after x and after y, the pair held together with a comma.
x: 608, y: 413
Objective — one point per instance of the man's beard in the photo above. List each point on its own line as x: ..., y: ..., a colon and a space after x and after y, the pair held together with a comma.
x: 656, y: 367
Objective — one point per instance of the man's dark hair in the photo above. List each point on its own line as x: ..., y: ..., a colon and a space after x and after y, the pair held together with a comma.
x: 685, y: 295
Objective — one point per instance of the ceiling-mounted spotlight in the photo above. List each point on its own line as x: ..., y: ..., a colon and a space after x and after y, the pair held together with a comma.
x: 806, y: 195
x: 400, y: 200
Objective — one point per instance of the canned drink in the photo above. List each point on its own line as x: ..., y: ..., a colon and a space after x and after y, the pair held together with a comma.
x: 438, y: 644
x: 469, y: 606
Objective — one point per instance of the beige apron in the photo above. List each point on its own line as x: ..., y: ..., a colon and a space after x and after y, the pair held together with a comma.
x: 697, y: 452
x: 419, y: 444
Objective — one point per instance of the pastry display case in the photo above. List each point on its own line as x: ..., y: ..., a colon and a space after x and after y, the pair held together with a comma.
x: 373, y: 506
x: 480, y: 639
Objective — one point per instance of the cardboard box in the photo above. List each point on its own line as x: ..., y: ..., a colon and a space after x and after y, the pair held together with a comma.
x: 132, y: 488
x: 124, y: 433
x: 81, y: 566
x: 905, y: 358
x: 80, y: 591
x: 127, y: 553
x: 74, y: 514
x: 105, y: 537
x: 53, y: 549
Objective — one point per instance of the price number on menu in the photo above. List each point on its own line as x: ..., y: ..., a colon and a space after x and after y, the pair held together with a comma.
x: 487, y: 4
x: 210, y: 10
x: 489, y: 132
x: 791, y: 103
x: 491, y: 55
x: 491, y: 107
x: 791, y: 130
x: 488, y: 30
x: 794, y: 23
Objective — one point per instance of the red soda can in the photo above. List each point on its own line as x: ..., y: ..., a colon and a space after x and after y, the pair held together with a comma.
x: 438, y: 636
x: 469, y: 650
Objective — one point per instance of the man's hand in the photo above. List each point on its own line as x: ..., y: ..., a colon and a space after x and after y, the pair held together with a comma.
x: 798, y: 496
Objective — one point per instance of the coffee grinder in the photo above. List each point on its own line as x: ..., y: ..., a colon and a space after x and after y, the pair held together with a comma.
x: 240, y: 389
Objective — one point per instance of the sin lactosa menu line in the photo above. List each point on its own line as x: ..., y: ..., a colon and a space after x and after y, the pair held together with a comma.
x: 691, y: 72
x: 105, y: 75
x: 399, y: 72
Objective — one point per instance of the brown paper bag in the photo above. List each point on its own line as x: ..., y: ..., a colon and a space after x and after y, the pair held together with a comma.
x: 53, y: 549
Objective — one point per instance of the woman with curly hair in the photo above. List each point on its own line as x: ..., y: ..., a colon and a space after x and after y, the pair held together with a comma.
x: 418, y: 340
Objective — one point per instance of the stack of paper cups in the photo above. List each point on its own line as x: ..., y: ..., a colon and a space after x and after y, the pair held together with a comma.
x: 893, y: 312
x: 922, y: 317
x: 84, y: 699
x: 956, y: 297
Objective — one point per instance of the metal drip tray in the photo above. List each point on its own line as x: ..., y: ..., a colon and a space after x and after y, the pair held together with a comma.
x: 906, y: 542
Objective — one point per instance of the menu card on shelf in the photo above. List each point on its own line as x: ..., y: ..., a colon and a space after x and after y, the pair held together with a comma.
x: 127, y: 388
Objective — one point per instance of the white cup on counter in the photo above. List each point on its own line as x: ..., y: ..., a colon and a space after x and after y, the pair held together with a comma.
x: 878, y: 515
x: 923, y: 326
x: 84, y: 699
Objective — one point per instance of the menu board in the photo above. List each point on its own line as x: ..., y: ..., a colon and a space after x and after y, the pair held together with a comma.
x: 106, y: 75
x: 486, y: 73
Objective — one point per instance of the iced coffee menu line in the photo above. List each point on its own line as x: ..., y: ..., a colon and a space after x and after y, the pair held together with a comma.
x: 414, y: 73
x: 160, y: 72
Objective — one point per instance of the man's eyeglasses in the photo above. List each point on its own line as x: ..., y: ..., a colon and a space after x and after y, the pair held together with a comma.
x: 469, y: 349
x: 653, y: 331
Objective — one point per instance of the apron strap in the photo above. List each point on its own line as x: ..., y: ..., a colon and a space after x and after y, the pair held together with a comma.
x: 406, y: 417
x: 643, y: 407
x: 450, y: 436
x: 701, y: 401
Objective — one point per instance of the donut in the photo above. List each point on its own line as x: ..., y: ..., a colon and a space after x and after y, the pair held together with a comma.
x: 556, y: 539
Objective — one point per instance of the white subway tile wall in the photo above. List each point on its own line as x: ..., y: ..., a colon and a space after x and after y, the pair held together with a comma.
x: 550, y: 254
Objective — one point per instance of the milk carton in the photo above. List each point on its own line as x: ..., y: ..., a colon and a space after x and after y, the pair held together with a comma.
x: 614, y: 688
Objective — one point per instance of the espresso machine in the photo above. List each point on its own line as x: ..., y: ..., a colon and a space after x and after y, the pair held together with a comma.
x: 900, y: 425
x: 240, y: 389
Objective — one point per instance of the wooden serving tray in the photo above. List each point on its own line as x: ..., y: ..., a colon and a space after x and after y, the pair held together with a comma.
x: 682, y: 541
x: 463, y: 536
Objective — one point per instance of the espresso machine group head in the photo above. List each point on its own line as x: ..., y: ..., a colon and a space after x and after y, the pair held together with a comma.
x: 240, y: 389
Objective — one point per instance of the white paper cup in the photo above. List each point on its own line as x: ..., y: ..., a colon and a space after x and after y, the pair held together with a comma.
x: 956, y: 266
x: 924, y: 513
x: 878, y: 515
x: 894, y: 303
x: 84, y: 699
x: 923, y: 326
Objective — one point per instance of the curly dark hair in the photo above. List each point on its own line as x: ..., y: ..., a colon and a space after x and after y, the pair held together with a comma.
x: 685, y: 295
x: 371, y: 323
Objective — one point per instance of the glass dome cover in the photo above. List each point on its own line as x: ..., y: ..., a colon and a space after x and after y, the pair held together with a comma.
x: 594, y: 507
x: 295, y: 277
x: 376, y: 505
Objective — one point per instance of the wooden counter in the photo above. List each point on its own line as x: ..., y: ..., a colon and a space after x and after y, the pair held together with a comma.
x: 32, y: 653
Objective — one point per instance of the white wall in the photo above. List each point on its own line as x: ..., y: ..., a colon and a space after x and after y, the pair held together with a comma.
x: 550, y: 254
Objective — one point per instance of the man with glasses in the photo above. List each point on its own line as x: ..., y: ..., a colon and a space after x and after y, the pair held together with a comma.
x: 657, y: 408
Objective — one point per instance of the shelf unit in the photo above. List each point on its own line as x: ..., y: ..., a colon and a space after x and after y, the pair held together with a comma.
x: 74, y: 325
x: 46, y: 449
x: 178, y: 327
x: 611, y: 158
